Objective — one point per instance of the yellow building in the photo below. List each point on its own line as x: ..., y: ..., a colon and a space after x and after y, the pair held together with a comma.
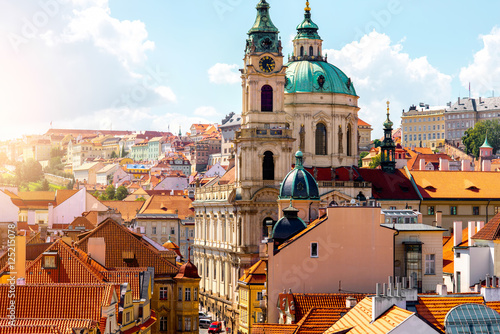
x: 251, y: 303
x: 364, y: 135
x: 186, y: 308
x: 423, y: 126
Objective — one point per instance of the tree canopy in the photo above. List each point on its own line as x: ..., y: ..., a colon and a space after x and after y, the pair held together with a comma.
x: 474, y: 137
x: 361, y: 156
x: 121, y: 193
x: 375, y: 161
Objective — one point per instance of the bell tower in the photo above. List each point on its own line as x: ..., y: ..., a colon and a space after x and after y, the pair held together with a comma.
x: 264, y: 144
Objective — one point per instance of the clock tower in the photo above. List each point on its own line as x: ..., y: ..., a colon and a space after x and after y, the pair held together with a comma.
x: 265, y: 139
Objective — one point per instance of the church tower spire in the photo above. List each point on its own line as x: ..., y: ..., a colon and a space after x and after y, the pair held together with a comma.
x: 263, y: 36
x: 307, y: 45
x: 388, y: 148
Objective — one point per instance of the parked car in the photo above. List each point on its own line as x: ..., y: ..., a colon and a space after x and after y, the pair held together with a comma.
x: 215, y: 327
x: 203, y: 315
x: 205, y: 323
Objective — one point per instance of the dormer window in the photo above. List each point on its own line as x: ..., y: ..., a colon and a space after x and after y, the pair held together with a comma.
x: 49, y: 260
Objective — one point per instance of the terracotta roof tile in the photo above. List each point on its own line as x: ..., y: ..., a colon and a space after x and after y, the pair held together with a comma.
x: 126, y: 249
x: 434, y: 309
x: 273, y: 329
x: 73, y: 266
x: 389, y: 186
x: 359, y: 318
x: 124, y: 275
x: 158, y: 204
x: 256, y: 274
x: 318, y: 320
x: 58, y: 301
x: 63, y: 195
x: 490, y: 231
x: 304, y: 302
x: 39, y: 326
x: 457, y: 184
x: 81, y: 222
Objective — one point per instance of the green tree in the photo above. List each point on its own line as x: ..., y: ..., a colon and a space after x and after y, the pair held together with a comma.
x: 114, y: 155
x: 28, y: 171
x: 103, y: 197
x: 121, y: 193
x: 140, y: 199
x: 474, y: 137
x: 110, y: 193
x: 44, y: 186
x: 361, y: 156
x: 377, y: 143
x: 124, y: 154
x: 375, y: 161
x: 70, y: 185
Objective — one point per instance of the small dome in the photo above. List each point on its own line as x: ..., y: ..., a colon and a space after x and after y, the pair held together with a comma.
x: 170, y: 245
x: 289, y: 225
x: 307, y: 76
x: 299, y: 183
x: 188, y: 270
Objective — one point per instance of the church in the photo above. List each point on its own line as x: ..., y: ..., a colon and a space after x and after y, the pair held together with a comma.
x: 302, y: 103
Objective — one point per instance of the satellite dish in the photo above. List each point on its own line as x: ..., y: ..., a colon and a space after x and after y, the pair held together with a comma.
x: 353, y: 201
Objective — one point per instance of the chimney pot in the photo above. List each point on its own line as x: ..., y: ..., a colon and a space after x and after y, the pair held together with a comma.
x: 457, y: 233
x: 487, y: 281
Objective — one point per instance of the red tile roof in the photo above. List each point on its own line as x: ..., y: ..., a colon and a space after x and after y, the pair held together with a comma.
x: 490, y: 231
x: 41, y: 326
x: 318, y: 320
x: 124, y: 275
x: 73, y: 266
x: 434, y: 309
x: 304, y: 302
x: 359, y: 319
x: 387, y: 186
x: 256, y: 274
x: 449, y: 254
x: 273, y: 329
x: 158, y: 204
x: 127, y: 249
x: 58, y: 301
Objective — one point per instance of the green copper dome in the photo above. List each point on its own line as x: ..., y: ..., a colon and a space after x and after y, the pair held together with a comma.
x: 486, y: 144
x: 317, y: 77
x: 299, y: 183
x: 307, y: 29
x: 263, y: 21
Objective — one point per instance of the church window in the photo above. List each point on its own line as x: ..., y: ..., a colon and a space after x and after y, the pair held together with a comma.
x: 321, y: 139
x: 267, y: 98
x: 311, y: 51
x: 349, y: 140
x: 302, y: 51
x: 268, y: 166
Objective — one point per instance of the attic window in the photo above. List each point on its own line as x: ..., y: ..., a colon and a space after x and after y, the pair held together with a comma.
x: 473, y: 188
x: 430, y: 188
x: 49, y: 260
x: 404, y: 188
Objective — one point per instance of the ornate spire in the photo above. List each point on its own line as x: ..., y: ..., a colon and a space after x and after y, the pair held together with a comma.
x: 299, y: 160
x: 307, y: 9
x: 388, y: 123
x: 263, y: 36
x: 263, y: 21
x: 307, y: 29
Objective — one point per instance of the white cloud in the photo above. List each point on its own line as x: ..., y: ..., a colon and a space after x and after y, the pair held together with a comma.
x: 206, y: 111
x: 73, y: 63
x: 224, y: 74
x: 484, y: 72
x: 381, y: 71
x: 167, y: 93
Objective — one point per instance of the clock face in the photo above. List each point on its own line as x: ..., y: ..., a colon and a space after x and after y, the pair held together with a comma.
x: 267, y: 64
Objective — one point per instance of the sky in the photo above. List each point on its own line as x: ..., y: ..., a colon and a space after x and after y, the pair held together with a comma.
x: 164, y: 64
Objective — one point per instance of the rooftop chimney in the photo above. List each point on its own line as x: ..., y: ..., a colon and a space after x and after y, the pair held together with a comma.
x: 350, y: 302
x: 471, y: 231
x: 422, y: 164
x: 441, y: 290
x: 479, y: 226
x: 457, y: 233
x: 97, y: 247
x: 465, y: 165
x: 486, y: 166
x: 439, y: 218
x: 443, y: 164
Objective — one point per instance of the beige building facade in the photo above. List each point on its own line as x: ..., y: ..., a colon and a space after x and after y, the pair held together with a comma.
x: 423, y: 126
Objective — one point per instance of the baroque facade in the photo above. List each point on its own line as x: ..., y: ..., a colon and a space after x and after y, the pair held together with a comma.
x: 306, y: 104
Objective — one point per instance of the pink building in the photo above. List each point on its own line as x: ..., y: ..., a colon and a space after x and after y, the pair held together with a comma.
x: 344, y: 250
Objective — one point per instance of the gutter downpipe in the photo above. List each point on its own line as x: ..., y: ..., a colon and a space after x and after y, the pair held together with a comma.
x: 487, y: 207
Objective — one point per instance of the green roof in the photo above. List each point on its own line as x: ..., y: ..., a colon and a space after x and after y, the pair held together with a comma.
x: 307, y: 29
x: 305, y: 77
x: 486, y: 144
x: 263, y: 21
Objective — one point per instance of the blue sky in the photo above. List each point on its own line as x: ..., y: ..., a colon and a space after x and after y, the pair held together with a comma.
x: 159, y: 64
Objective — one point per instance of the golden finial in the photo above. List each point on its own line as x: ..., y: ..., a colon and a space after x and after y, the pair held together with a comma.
x: 388, y: 107
x: 307, y: 9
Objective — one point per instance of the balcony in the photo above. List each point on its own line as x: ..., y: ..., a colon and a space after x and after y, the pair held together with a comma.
x: 264, y: 133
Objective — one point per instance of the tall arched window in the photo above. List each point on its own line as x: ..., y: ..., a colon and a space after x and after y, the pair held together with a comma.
x: 311, y: 51
x: 302, y: 51
x: 349, y: 140
x: 268, y: 166
x: 321, y: 139
x: 266, y: 98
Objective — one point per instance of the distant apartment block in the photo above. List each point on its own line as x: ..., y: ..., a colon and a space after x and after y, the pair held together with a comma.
x: 423, y: 126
